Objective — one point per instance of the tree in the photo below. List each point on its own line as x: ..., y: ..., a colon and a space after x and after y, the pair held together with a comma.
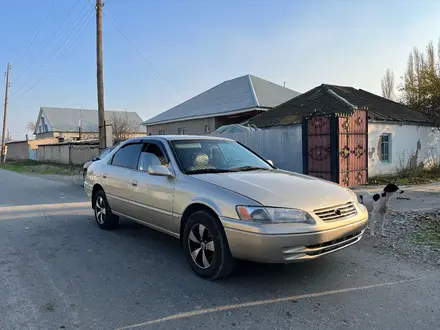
x: 122, y: 127
x: 421, y: 82
x: 31, y: 126
x: 388, y: 85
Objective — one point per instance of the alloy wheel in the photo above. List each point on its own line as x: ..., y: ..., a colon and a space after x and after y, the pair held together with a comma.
x: 100, y: 210
x: 201, y: 246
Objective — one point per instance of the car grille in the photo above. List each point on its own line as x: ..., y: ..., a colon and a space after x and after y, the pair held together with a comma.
x: 326, y: 247
x: 336, y: 212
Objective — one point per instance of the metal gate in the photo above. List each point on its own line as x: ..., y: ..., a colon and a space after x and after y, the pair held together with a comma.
x: 334, y: 147
x: 353, y: 140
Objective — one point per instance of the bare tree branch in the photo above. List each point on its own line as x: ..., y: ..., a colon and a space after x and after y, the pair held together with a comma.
x: 388, y: 85
x: 122, y: 127
x: 31, y: 126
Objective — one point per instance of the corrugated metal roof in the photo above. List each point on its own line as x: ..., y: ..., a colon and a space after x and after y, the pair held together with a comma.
x: 338, y: 99
x: 229, y: 97
x: 68, y: 120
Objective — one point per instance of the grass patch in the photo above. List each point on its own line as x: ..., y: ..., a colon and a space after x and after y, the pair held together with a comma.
x: 31, y: 166
x: 428, y: 233
x: 407, y: 177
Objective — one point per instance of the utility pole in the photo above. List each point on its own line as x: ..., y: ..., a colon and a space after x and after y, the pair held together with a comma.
x: 3, y: 151
x: 100, y: 76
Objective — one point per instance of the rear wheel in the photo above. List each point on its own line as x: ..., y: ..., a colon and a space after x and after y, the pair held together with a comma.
x: 103, y: 214
x: 206, y: 246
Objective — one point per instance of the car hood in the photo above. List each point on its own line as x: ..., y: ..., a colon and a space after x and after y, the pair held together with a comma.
x: 279, y: 188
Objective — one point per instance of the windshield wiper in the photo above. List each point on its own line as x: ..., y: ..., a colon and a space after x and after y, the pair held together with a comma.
x: 209, y: 170
x: 249, y: 168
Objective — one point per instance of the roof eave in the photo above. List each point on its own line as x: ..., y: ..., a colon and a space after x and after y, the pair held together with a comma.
x: 148, y: 123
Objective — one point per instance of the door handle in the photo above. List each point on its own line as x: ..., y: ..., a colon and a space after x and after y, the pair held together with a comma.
x: 134, y: 183
x: 104, y: 175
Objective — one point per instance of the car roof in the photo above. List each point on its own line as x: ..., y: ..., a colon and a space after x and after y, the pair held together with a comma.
x: 176, y: 138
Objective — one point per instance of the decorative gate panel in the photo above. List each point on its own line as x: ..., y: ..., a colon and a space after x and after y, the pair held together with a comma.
x: 335, y: 147
x: 353, y: 139
x: 317, y: 146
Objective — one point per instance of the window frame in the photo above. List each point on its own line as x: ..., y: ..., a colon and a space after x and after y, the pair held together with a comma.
x: 119, y: 149
x: 161, y: 132
x: 388, y: 142
x: 184, y: 129
x: 146, y: 143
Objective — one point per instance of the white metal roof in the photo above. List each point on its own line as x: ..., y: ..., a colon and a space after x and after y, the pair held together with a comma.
x: 230, y: 97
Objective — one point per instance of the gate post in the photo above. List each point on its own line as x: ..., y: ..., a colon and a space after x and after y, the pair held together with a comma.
x: 305, y: 146
x: 334, y: 148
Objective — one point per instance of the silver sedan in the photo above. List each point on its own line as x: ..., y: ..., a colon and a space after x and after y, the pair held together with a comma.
x: 223, y: 201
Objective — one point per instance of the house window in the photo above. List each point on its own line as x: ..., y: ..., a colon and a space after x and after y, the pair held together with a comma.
x: 207, y: 129
x: 161, y: 132
x: 181, y: 130
x: 385, y: 148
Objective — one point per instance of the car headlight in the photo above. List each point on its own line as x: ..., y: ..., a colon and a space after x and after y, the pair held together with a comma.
x: 273, y: 215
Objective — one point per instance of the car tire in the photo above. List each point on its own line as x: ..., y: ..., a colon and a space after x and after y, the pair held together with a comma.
x: 103, y: 213
x: 206, y: 246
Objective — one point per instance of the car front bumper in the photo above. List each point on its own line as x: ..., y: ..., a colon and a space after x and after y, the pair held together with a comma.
x: 290, y: 247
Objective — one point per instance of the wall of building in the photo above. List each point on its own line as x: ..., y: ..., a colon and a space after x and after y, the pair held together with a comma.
x: 410, y: 146
x: 192, y: 127
x: 67, y: 153
x: 283, y: 146
x: 19, y: 150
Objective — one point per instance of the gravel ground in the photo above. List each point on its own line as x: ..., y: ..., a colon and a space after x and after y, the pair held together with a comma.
x: 412, y: 225
x: 72, y: 179
x: 409, y: 236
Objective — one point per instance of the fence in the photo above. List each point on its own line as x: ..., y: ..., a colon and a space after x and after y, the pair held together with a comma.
x: 68, y: 153
x: 283, y: 145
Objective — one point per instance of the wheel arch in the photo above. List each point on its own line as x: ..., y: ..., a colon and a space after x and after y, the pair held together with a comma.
x: 97, y: 187
x: 196, y: 206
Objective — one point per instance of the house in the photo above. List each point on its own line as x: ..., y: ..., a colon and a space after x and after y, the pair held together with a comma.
x: 398, y: 137
x: 230, y: 102
x: 76, y: 124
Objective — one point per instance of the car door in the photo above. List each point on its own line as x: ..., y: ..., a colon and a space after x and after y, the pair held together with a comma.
x: 116, y: 177
x: 152, y: 195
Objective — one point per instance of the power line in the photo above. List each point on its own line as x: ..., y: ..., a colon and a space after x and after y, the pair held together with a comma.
x: 141, y: 55
x: 62, y: 41
x: 67, y: 48
x: 36, y: 33
x: 50, y: 39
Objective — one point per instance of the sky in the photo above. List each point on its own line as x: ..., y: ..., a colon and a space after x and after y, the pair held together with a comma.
x: 159, y: 53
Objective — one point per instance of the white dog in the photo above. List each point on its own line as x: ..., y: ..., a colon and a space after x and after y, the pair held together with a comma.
x: 377, y: 205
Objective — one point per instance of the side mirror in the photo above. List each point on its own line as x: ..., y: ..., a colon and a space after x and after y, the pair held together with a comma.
x: 270, y: 162
x: 159, y: 170
x: 94, y: 159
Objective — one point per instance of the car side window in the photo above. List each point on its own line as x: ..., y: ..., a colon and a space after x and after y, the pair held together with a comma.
x: 127, y: 156
x: 151, y: 155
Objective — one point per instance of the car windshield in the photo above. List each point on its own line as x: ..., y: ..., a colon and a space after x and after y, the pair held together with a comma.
x: 216, y: 156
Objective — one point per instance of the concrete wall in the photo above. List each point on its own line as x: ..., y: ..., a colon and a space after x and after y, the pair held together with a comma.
x: 283, y: 146
x: 195, y: 127
x: 17, y: 150
x: 411, y: 146
x: 67, y: 153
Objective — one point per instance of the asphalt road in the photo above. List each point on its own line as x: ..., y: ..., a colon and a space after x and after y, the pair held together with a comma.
x: 59, y: 271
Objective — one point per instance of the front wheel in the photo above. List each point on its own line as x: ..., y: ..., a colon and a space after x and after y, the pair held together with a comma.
x: 206, y: 246
x: 103, y: 213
